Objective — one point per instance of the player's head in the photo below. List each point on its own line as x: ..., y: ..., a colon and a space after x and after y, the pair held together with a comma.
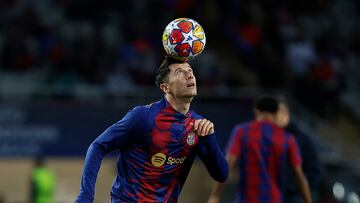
x: 266, y: 108
x: 272, y: 108
x: 266, y: 104
x: 175, y: 77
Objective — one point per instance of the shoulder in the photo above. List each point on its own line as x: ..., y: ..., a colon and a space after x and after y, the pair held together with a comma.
x: 147, y: 112
x: 147, y: 108
x: 138, y: 117
x: 139, y: 111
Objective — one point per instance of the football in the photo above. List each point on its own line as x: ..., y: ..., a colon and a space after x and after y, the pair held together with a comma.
x: 183, y: 39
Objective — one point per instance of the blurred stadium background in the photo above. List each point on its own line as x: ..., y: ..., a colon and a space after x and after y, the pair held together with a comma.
x: 70, y: 68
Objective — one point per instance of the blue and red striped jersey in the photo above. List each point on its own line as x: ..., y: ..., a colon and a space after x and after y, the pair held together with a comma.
x: 263, y: 151
x: 157, y: 148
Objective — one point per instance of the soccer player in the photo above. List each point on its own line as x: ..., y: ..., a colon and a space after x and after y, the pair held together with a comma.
x: 158, y: 144
x: 262, y: 147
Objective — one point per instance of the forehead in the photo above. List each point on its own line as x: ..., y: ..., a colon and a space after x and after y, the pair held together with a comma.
x: 175, y: 66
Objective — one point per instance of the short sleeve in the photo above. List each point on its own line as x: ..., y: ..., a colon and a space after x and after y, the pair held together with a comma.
x: 293, y: 151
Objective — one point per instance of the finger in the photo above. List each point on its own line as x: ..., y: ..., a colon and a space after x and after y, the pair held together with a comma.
x: 209, y: 128
x: 201, y: 127
x: 204, y: 128
x: 198, y: 124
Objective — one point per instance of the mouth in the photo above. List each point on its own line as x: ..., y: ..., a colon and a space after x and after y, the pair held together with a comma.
x: 190, y: 85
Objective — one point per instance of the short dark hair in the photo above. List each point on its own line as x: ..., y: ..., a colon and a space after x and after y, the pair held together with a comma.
x: 267, y: 103
x: 164, y: 70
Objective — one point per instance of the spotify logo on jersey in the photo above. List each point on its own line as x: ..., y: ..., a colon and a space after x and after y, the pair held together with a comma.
x: 159, y: 159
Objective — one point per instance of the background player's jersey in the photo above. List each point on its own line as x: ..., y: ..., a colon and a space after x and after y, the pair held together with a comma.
x: 157, y: 148
x: 263, y: 150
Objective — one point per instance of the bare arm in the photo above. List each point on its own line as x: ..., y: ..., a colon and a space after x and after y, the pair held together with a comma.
x: 302, y: 184
x: 218, y: 187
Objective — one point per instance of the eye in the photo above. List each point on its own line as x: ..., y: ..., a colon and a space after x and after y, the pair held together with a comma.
x: 178, y: 71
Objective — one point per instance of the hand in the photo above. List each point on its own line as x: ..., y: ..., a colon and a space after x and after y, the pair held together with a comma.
x: 213, y: 199
x: 203, y: 127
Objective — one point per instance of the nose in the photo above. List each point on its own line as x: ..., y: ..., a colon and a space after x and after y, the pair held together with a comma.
x: 189, y: 75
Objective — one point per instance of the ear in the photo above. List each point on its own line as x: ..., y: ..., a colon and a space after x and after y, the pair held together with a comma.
x: 165, y: 88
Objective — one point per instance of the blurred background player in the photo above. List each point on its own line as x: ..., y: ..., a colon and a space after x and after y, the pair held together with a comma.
x: 43, y: 183
x: 158, y: 144
x: 262, y: 148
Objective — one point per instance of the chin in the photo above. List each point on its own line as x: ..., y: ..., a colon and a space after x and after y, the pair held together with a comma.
x: 193, y: 94
x: 190, y: 95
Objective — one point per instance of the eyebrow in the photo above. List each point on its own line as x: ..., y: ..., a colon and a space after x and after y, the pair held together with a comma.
x: 177, y: 70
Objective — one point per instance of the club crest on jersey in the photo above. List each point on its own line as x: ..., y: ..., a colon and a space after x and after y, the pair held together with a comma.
x: 190, y: 138
x: 158, y: 159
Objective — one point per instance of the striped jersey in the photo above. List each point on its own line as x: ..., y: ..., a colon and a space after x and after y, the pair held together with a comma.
x: 263, y: 151
x: 157, y: 148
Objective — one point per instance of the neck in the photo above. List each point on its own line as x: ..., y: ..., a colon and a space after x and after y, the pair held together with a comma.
x: 181, y: 105
x: 266, y: 117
